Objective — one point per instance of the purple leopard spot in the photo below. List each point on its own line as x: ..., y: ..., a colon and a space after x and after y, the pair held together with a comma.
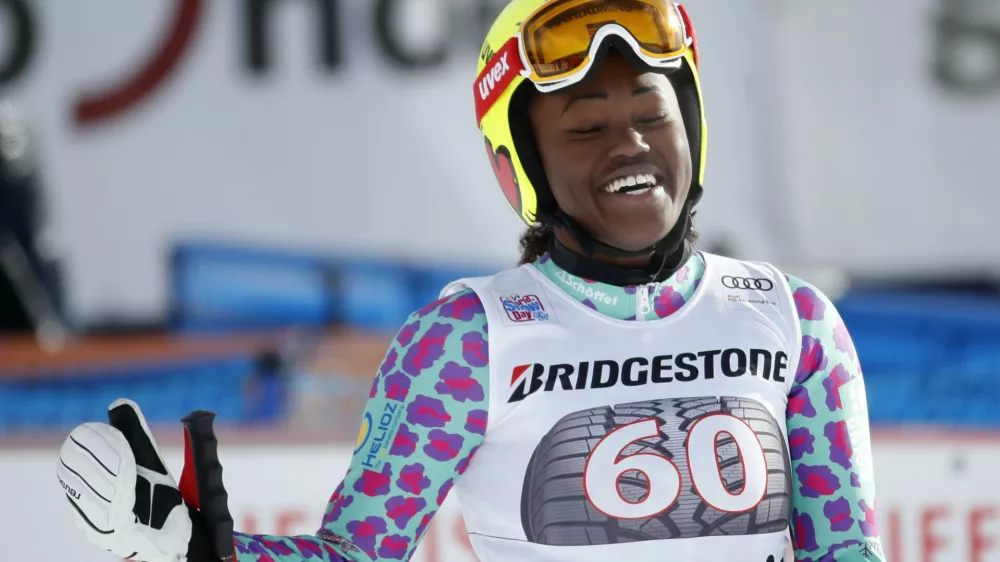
x: 306, y: 548
x: 855, y: 481
x: 426, y: 411
x: 457, y: 382
x: 407, y: 332
x: 405, y: 442
x: 389, y: 363
x: 589, y: 304
x: 838, y: 513
x: 373, y: 484
x: 799, y: 403
x: 364, y: 533
x: 424, y: 522
x: 338, y: 502
x: 257, y: 547
x: 275, y: 546
x: 801, y: 441
x: 465, y: 307
x: 444, y: 446
x: 816, y: 481
x: 544, y: 259
x: 668, y: 302
x: 428, y: 349
x: 629, y: 290
x: 835, y: 551
x: 809, y: 305
x: 394, y: 547
x: 475, y: 422
x: 869, y: 527
x: 631, y: 318
x: 397, y: 386
x: 464, y: 463
x: 374, y: 389
x: 840, y: 443
x: 443, y: 491
x: 431, y: 308
x: 839, y: 376
x: 813, y: 359
x: 401, y: 509
x: 412, y: 479
x: 486, y: 328
x: 803, y: 531
x: 475, y: 351
x: 240, y: 542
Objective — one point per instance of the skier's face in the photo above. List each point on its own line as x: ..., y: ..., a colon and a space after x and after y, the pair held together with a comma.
x: 592, y: 138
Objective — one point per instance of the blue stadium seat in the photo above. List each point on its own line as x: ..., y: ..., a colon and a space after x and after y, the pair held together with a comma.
x: 166, y: 391
x: 373, y: 295
x: 219, y: 287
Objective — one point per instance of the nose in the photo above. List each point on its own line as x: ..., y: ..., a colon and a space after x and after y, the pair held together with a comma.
x: 628, y: 143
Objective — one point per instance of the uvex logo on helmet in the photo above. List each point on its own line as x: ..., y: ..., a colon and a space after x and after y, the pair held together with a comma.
x: 499, y: 72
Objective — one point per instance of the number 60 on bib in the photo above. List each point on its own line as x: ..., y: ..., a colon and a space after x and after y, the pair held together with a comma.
x: 672, y: 468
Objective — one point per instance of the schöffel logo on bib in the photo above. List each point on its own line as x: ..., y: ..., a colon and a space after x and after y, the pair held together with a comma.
x: 525, y: 308
x: 585, y: 289
x: 637, y: 371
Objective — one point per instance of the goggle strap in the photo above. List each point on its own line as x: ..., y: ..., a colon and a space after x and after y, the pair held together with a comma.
x: 689, y: 31
x: 499, y: 72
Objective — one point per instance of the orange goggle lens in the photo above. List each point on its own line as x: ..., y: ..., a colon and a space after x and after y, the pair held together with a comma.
x: 557, y: 38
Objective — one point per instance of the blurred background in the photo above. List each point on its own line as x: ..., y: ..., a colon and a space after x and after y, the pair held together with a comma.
x: 234, y: 204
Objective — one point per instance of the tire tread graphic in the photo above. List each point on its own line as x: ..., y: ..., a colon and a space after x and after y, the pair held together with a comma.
x: 556, y: 511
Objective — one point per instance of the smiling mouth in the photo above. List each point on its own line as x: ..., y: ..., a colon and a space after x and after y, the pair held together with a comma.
x: 635, y: 184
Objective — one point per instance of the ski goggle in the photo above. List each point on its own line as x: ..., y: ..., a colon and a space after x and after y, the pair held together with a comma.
x: 558, y: 41
x: 556, y: 45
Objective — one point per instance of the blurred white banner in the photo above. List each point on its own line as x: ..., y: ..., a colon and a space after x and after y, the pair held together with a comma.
x: 833, y: 141
x: 937, y: 500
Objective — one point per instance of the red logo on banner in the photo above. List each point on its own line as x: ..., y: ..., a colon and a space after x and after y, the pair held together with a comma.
x: 110, y: 101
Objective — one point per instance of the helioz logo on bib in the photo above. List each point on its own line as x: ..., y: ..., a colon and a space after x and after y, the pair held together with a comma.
x: 525, y: 308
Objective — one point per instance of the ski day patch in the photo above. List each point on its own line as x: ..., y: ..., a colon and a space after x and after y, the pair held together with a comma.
x: 525, y: 307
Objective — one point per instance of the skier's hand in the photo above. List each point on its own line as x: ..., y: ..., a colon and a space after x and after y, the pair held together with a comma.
x: 123, y: 497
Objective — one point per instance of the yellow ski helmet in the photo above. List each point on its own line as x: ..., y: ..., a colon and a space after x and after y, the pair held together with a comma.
x: 552, y: 44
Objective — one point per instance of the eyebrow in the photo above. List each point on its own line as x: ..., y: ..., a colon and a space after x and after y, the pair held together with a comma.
x: 641, y: 90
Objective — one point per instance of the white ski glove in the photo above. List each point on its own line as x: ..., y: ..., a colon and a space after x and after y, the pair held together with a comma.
x: 122, y: 495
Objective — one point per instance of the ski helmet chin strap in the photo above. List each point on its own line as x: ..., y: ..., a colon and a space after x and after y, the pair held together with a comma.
x: 665, y: 256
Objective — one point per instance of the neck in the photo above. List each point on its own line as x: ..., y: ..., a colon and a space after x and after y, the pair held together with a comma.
x: 619, y: 271
x: 639, y: 262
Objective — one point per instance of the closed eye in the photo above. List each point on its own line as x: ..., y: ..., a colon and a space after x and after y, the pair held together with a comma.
x: 587, y: 130
x: 659, y: 118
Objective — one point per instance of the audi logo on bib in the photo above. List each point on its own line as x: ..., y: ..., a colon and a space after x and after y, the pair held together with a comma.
x: 731, y: 282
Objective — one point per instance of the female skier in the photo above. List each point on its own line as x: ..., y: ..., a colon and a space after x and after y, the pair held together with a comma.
x: 619, y: 395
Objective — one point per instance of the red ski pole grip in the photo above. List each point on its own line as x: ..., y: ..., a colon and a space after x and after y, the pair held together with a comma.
x: 208, y: 494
